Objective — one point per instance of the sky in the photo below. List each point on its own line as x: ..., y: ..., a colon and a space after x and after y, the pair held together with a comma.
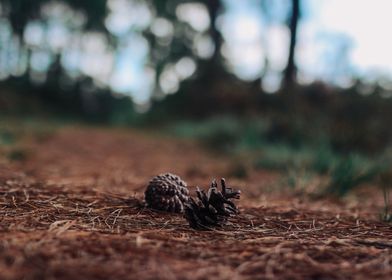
x: 364, y: 24
x: 337, y: 39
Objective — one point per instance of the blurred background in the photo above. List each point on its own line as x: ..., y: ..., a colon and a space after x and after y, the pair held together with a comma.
x: 299, y: 86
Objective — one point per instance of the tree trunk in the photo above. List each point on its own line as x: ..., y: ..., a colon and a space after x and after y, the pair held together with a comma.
x: 291, y: 70
x: 213, y: 9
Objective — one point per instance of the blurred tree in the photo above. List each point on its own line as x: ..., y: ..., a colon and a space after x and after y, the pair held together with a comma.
x: 164, y: 52
x: 172, y: 37
x: 20, y: 12
x: 291, y: 69
x: 214, y: 8
x: 184, y: 40
x: 213, y: 88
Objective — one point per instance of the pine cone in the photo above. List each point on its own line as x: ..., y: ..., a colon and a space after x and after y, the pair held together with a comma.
x: 213, y: 208
x: 167, y: 192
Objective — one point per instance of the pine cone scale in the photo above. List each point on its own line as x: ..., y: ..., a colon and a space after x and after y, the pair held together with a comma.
x: 167, y: 192
x: 213, y: 208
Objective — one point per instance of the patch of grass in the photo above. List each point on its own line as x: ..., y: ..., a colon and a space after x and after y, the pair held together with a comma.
x: 223, y: 133
x: 238, y: 170
x: 385, y: 181
x: 15, y: 133
x: 350, y: 172
x: 18, y: 154
x: 14, y: 130
x: 386, y: 215
x: 323, y: 160
x: 343, y: 172
x: 7, y: 137
x: 299, y: 162
x: 283, y: 157
x: 298, y: 178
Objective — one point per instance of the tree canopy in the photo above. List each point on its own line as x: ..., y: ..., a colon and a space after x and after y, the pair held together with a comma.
x: 65, y: 43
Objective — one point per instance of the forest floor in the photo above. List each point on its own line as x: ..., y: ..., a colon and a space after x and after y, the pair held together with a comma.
x: 71, y: 208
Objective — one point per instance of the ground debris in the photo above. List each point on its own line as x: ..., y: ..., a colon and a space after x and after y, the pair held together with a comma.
x: 71, y: 212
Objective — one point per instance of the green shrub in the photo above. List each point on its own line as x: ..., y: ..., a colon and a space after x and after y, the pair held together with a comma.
x: 223, y: 133
x: 235, y: 136
x: 324, y: 159
x: 283, y: 157
x: 6, y: 137
x: 351, y: 171
x: 17, y: 154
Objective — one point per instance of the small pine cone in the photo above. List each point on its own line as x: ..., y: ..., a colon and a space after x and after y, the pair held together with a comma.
x: 213, y: 208
x: 167, y: 192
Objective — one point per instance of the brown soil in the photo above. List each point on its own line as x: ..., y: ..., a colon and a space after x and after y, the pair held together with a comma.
x: 72, y: 210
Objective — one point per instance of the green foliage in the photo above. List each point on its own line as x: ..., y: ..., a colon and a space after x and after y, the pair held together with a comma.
x: 351, y: 171
x: 20, y: 12
x: 95, y: 10
x: 343, y: 173
x: 17, y: 154
x: 238, y: 170
x: 6, y: 137
x: 224, y: 133
x: 324, y: 158
x: 298, y: 178
x: 386, y: 216
x: 299, y: 162
x: 283, y: 157
x: 385, y: 181
x: 15, y: 131
x: 221, y: 134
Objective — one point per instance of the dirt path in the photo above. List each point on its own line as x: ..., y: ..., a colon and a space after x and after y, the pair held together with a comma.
x: 72, y: 210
